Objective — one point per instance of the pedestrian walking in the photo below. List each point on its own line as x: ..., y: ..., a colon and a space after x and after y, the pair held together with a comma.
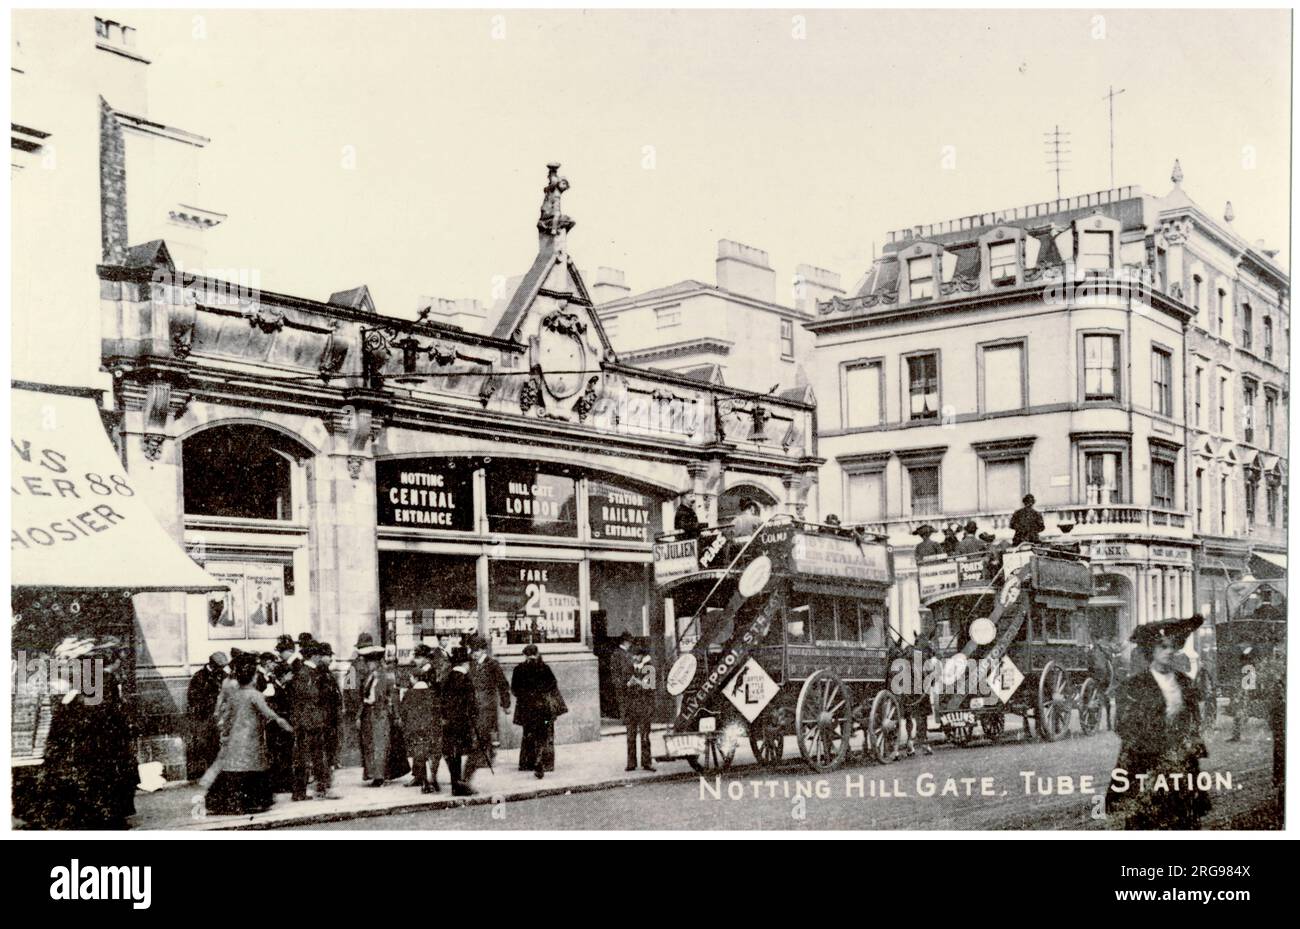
x: 1158, y: 720
x: 274, y: 678
x: 310, y: 705
x: 460, y: 720
x: 492, y: 691
x: 382, y: 756
x: 537, y: 705
x: 421, y: 713
x: 639, y: 714
x: 240, y: 779
x: 1026, y: 522
x: 89, y: 775
x: 201, y: 714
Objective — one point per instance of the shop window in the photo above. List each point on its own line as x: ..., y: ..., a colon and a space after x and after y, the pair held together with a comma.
x: 787, y: 339
x: 1003, y: 263
x: 533, y: 601
x: 1101, y: 367
x: 527, y: 501
x: 920, y: 278
x: 1095, y: 251
x: 862, y: 394
x: 425, y: 595
x: 238, y: 472
x: 1162, y: 382
x: 923, y: 386
x: 924, y: 481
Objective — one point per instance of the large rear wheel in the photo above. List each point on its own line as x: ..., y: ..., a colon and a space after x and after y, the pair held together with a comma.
x: 1090, y: 707
x: 882, y: 727
x: 1054, y: 705
x: 824, y: 721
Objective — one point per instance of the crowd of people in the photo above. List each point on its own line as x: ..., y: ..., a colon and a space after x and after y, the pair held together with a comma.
x: 1026, y: 525
x: 263, y: 724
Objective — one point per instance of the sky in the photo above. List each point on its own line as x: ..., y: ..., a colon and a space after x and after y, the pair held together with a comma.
x: 406, y: 150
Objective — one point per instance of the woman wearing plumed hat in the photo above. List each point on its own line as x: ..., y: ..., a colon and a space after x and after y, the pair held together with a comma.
x: 1158, y: 720
x: 89, y: 774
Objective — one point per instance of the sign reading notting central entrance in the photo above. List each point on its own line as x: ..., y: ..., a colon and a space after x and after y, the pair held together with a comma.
x: 425, y: 493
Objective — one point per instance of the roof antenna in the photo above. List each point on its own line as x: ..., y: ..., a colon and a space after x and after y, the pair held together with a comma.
x: 1057, y: 145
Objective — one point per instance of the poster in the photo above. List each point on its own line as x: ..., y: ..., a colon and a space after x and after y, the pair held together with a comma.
x: 226, y: 616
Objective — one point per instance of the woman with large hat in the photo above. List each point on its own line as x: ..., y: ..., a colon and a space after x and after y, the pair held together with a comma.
x: 383, y: 756
x: 1158, y: 719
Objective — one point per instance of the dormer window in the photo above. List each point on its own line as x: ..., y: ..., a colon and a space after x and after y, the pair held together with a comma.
x: 1096, y: 251
x: 920, y: 278
x: 1003, y: 263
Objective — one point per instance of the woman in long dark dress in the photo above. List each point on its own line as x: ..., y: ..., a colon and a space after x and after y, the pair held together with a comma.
x: 243, y: 781
x: 276, y: 675
x: 1158, y: 718
x: 89, y: 774
x: 537, y: 703
x: 421, y: 712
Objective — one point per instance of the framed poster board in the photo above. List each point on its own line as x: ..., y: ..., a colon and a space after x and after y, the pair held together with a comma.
x: 253, y: 607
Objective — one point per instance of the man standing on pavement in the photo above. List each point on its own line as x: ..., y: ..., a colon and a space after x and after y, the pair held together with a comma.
x: 1026, y: 522
x: 492, y: 691
x: 201, y: 710
x: 640, y: 695
x: 621, y: 671
x: 309, y: 705
x: 332, y: 697
x: 460, y: 720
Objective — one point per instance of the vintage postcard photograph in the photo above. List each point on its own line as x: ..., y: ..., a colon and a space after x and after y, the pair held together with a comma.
x: 665, y: 420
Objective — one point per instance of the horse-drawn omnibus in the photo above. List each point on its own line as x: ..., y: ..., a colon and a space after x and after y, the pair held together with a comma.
x: 779, y: 632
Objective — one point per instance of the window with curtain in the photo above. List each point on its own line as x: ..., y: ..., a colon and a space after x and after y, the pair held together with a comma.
x: 862, y: 383
x: 1103, y: 478
x: 925, y: 490
x: 787, y: 338
x: 1003, y: 263
x: 923, y: 386
x: 1004, y: 386
x: 1101, y: 367
x: 1247, y: 327
x: 1248, y: 394
x: 920, y: 278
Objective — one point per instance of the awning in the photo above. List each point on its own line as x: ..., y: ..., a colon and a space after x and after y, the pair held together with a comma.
x: 78, y: 521
x: 1267, y: 565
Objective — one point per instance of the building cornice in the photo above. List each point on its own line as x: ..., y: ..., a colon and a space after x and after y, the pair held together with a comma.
x: 702, y: 346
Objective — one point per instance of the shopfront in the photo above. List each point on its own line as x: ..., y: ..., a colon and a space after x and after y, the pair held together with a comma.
x: 1137, y: 582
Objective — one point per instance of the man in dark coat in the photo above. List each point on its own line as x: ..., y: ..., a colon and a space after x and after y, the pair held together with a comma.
x: 440, y: 659
x: 537, y: 703
x: 971, y: 543
x: 620, y: 672
x: 309, y: 703
x: 1158, y: 719
x: 421, y: 714
x: 1026, y: 522
x: 926, y: 548
x: 275, y: 681
x: 201, y: 713
x: 950, y: 542
x: 332, y: 698
x: 492, y: 691
x: 460, y: 719
x: 640, y: 708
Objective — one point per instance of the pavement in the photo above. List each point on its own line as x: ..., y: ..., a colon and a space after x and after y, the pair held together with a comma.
x: 580, y: 767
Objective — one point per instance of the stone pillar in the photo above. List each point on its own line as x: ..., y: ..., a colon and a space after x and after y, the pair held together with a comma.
x: 704, y: 503
x: 790, y: 493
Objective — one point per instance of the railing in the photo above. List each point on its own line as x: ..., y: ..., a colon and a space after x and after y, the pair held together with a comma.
x: 1083, y: 519
x: 1032, y: 210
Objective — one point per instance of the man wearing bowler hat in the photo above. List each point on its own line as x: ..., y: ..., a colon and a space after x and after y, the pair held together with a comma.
x: 459, y: 719
x: 1158, y: 719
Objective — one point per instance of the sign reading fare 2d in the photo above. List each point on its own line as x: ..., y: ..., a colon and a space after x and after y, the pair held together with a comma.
x: 425, y: 493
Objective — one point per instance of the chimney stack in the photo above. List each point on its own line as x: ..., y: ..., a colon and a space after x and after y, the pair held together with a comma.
x: 812, y: 284
x: 610, y: 285
x: 745, y: 270
x: 465, y: 313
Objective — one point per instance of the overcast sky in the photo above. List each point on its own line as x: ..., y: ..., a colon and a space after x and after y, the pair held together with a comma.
x: 811, y: 148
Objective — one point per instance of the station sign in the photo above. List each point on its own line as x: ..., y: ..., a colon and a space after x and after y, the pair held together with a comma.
x: 425, y: 493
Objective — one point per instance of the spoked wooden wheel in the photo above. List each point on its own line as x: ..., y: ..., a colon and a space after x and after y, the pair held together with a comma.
x: 1054, y: 706
x: 882, y: 727
x: 994, y: 725
x: 1090, y: 707
x: 767, y: 737
x: 824, y: 721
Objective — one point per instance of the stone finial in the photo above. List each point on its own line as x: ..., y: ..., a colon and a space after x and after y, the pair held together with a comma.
x: 552, y: 220
x: 1177, y: 175
x: 1228, y: 214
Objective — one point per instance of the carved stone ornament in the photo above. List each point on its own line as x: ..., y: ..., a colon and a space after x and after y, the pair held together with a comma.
x: 587, y: 402
x: 355, y: 463
x: 182, y: 342
x: 487, y: 390
x: 561, y: 353
x: 760, y: 417
x: 152, y: 445
x: 530, y: 395
x: 564, y: 322
x: 266, y: 318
